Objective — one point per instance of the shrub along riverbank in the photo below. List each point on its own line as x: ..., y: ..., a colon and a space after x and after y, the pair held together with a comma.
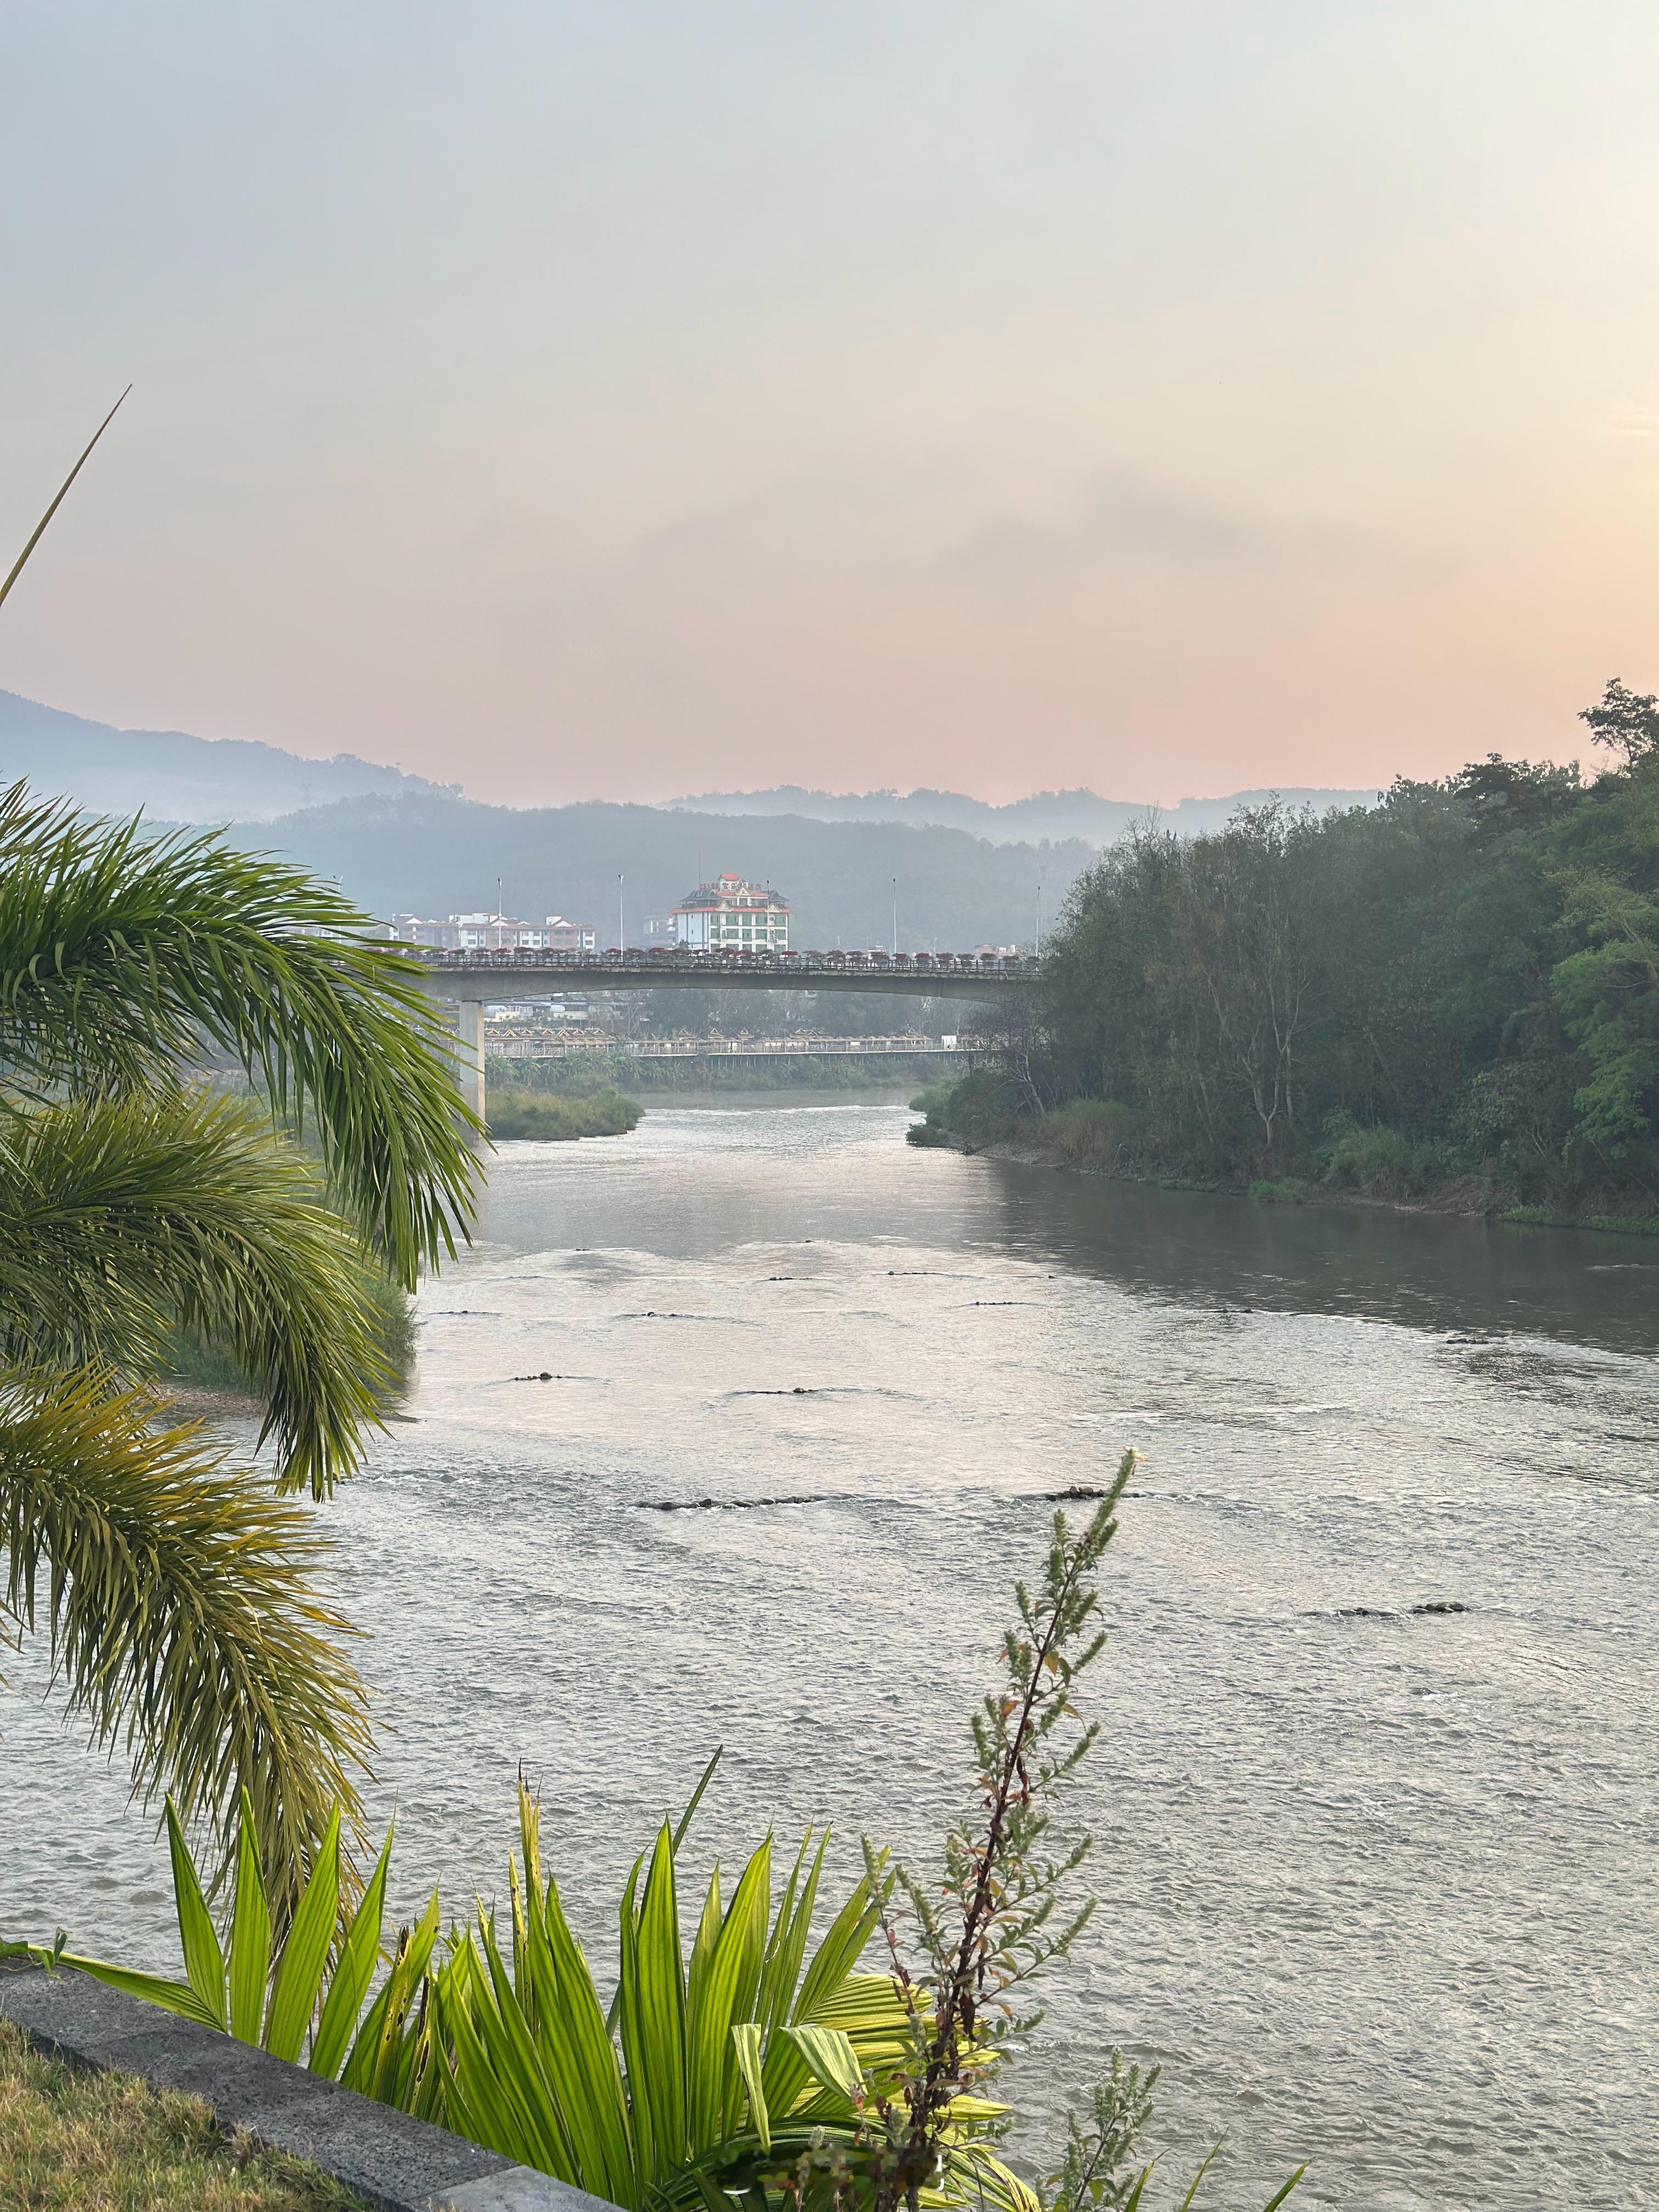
x: 1094, y: 1137
x: 1450, y: 999
x: 522, y: 1113
x: 809, y: 1072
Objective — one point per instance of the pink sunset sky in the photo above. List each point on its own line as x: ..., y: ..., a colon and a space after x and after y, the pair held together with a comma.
x: 639, y: 398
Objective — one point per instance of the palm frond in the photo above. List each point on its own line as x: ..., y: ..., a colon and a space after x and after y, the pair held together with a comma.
x: 38, y: 532
x: 119, y: 954
x: 121, y: 1217
x: 179, y: 1599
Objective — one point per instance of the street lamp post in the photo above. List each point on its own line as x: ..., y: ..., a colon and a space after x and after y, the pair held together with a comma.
x: 895, y: 917
x: 622, y: 936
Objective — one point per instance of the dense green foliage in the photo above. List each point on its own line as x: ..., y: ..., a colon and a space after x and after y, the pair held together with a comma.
x: 1460, y: 981
x: 550, y: 1117
x: 140, y: 1207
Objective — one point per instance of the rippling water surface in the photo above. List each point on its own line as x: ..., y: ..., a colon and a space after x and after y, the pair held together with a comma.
x: 1377, y: 1885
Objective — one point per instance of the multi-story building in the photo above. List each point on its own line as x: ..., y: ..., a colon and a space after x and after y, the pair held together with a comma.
x: 494, y: 932
x: 731, y: 915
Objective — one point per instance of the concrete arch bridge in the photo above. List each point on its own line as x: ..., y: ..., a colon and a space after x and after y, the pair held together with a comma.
x: 468, y: 980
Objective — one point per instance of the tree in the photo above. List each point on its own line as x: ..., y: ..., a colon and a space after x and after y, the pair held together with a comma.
x: 1626, y: 722
x: 174, y: 1586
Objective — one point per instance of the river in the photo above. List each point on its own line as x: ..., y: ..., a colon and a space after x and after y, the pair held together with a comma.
x: 1376, y: 1884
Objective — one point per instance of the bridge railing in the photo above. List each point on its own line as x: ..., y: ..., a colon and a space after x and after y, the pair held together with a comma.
x: 707, y: 970
x: 908, y: 1047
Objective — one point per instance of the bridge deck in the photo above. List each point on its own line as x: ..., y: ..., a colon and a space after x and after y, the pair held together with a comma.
x: 468, y: 975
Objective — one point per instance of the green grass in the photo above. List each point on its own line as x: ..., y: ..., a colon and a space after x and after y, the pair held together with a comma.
x: 79, y: 2143
x: 555, y: 1118
x: 1379, y: 1161
x: 1614, y: 1224
x: 1088, y: 1132
x: 1287, y: 1191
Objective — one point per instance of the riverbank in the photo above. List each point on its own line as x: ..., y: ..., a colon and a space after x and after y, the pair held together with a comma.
x: 1468, y: 1197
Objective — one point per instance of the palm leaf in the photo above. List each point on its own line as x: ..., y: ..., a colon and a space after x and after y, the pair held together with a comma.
x: 1190, y: 2198
x: 154, y: 1988
x: 354, y: 1971
x: 304, y: 1960
x: 581, y: 2058
x: 1274, y: 2202
x: 38, y: 530
x: 830, y: 2059
x: 383, y: 2052
x: 781, y: 1975
x: 177, y: 1595
x: 120, y: 953
x: 653, y: 2012
x: 725, y: 1993
x: 746, y: 2041
x: 205, y: 1963
x: 122, y: 1219
x: 249, y: 1935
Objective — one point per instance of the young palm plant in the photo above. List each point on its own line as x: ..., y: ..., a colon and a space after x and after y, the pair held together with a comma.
x: 735, y: 2067
x: 177, y: 1591
x: 734, y: 2070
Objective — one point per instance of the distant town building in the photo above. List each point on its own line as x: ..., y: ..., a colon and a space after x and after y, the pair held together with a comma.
x: 494, y: 932
x: 731, y: 915
x: 562, y: 1008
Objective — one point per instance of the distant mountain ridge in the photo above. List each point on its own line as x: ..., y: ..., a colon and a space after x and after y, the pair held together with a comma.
x: 174, y: 777
x: 1053, y: 815
x: 177, y: 777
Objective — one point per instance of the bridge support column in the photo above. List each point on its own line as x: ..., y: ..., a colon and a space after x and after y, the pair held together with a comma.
x: 469, y: 1053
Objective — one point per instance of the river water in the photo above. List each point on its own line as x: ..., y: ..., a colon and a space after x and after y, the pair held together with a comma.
x: 1376, y: 1884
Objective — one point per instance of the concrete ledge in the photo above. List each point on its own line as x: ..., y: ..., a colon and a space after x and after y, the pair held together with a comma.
x: 398, y: 2164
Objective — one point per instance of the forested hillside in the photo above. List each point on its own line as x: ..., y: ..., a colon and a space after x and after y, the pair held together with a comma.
x: 432, y: 854
x: 1463, y: 981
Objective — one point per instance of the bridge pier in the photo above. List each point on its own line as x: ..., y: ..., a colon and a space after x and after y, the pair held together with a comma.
x: 469, y: 1050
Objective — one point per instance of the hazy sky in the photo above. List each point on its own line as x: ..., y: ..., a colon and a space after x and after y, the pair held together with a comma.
x: 653, y: 396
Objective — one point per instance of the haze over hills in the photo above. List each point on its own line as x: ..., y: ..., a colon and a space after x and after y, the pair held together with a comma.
x: 178, y: 778
x: 172, y: 776
x: 968, y: 871
x: 1052, y: 814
